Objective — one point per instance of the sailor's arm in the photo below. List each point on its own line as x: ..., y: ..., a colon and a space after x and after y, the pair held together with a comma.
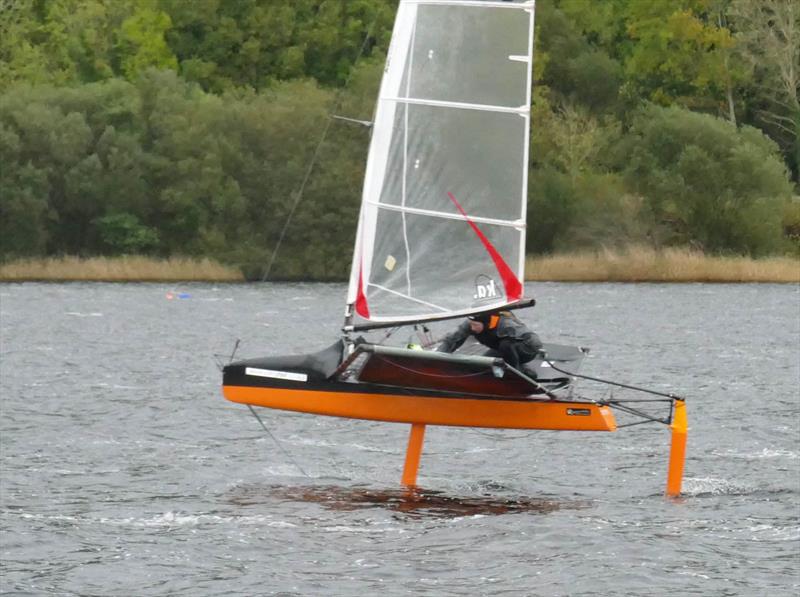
x: 453, y: 341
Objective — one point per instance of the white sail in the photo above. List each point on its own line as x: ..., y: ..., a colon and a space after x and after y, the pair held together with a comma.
x: 442, y: 225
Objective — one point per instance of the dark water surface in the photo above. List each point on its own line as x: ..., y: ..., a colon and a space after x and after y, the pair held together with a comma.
x: 125, y: 472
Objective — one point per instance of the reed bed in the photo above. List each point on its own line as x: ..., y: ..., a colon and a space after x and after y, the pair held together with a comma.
x: 118, y: 269
x: 631, y: 265
x: 669, y: 265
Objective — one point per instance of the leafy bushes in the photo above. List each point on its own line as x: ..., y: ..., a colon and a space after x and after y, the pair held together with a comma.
x: 164, y: 168
x: 124, y: 234
x: 707, y: 181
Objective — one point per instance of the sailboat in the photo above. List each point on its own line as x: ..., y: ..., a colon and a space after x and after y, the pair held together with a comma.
x: 441, y: 235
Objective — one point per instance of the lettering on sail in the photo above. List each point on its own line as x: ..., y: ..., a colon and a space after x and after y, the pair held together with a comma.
x: 485, y: 288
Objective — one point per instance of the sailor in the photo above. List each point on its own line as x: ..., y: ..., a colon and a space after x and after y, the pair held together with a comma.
x: 505, y: 336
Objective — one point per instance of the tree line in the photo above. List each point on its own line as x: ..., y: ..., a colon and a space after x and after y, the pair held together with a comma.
x: 169, y: 127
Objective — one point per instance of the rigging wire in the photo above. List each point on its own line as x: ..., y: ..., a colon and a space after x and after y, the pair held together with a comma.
x: 388, y: 334
x: 620, y: 403
x: 614, y: 383
x: 218, y: 357
x: 314, y: 157
x: 277, y: 443
x: 235, y: 348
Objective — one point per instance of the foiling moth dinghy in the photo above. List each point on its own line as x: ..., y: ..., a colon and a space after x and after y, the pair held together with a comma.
x: 400, y: 385
x: 441, y: 235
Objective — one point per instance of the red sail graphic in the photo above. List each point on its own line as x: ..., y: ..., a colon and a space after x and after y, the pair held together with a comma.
x: 512, y: 285
x: 361, y: 299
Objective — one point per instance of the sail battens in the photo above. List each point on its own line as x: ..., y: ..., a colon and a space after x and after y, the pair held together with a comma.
x: 388, y: 321
x: 410, y: 298
x: 518, y: 224
x: 458, y: 105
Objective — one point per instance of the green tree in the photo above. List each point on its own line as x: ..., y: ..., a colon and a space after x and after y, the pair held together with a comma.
x: 711, y: 183
x: 141, y: 43
x: 680, y: 54
x: 23, y: 201
x: 553, y: 203
x: 123, y: 234
x: 573, y: 69
x: 244, y: 43
x: 23, y: 55
x: 62, y: 42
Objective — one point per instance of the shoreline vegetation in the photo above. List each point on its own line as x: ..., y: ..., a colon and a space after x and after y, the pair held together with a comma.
x: 152, y: 128
x: 631, y: 265
x: 668, y: 265
x: 118, y: 269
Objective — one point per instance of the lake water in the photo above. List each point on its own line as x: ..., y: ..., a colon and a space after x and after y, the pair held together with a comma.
x: 125, y: 472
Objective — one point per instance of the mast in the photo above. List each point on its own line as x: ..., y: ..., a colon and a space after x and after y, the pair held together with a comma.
x: 379, y: 143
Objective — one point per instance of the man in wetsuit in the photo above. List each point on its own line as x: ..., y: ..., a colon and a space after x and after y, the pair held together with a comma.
x: 505, y: 335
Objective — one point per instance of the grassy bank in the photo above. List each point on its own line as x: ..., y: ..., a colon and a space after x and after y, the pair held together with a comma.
x: 118, y: 269
x: 633, y: 265
x: 670, y: 265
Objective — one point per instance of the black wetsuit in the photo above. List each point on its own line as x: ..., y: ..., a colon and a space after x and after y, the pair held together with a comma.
x: 505, y: 335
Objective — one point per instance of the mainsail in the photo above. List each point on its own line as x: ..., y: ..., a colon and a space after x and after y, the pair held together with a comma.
x: 441, y: 230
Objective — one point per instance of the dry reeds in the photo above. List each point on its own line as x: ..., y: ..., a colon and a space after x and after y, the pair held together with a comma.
x: 118, y: 269
x: 635, y: 264
x: 639, y: 264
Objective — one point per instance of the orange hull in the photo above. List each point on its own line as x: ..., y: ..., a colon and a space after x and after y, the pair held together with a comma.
x: 428, y: 410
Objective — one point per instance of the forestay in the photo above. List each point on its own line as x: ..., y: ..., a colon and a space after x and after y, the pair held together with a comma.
x: 441, y: 230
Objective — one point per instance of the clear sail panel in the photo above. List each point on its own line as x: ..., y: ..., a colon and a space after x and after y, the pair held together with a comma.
x: 475, y: 155
x: 425, y: 265
x: 469, y: 54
